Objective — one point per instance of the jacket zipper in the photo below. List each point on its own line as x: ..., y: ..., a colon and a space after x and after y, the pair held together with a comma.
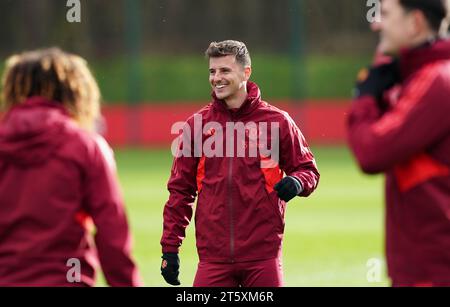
x: 230, y: 201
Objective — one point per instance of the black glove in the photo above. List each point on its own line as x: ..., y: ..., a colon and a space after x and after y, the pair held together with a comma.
x: 169, y: 268
x: 377, y: 80
x: 288, y: 188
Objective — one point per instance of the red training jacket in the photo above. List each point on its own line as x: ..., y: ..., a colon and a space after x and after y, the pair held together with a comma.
x: 410, y: 143
x: 54, y: 179
x: 238, y: 216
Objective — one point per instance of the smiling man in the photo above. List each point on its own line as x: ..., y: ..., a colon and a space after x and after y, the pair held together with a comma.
x: 241, y: 200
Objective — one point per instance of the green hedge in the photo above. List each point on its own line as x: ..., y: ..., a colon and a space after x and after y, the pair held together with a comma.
x: 185, y: 78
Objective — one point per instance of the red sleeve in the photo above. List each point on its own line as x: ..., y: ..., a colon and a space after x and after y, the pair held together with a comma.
x: 419, y: 119
x: 183, y: 191
x: 103, y: 202
x: 296, y: 158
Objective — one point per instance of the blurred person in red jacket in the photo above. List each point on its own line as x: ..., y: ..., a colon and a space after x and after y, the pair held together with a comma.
x: 408, y: 138
x: 242, y: 195
x: 58, y: 179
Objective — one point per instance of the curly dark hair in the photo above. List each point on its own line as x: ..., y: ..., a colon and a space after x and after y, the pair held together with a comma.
x: 56, y: 75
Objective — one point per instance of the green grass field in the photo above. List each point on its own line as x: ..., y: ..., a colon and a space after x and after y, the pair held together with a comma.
x: 329, y: 236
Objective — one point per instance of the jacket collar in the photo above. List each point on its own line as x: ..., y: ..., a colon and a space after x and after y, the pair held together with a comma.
x: 37, y: 102
x: 252, y: 101
x: 412, y: 60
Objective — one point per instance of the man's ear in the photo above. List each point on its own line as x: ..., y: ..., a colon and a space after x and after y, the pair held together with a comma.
x: 420, y: 22
x: 444, y: 27
x: 247, y: 73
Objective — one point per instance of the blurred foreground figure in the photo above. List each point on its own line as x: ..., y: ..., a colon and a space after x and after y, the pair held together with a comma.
x: 57, y: 177
x: 407, y: 137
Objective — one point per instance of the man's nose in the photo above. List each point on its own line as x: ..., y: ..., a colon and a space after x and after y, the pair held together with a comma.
x: 216, y: 78
x: 375, y: 26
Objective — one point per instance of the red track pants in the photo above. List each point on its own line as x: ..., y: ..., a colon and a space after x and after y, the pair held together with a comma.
x: 265, y: 273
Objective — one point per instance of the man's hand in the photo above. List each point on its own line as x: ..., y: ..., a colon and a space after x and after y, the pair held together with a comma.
x: 170, y: 268
x: 375, y: 81
x: 288, y: 188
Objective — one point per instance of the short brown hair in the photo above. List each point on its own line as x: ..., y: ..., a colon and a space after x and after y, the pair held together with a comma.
x: 230, y: 47
x: 435, y: 11
x: 56, y: 75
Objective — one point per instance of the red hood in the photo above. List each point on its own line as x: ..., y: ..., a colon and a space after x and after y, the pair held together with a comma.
x: 32, y: 131
x: 411, y: 60
x: 251, y: 103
